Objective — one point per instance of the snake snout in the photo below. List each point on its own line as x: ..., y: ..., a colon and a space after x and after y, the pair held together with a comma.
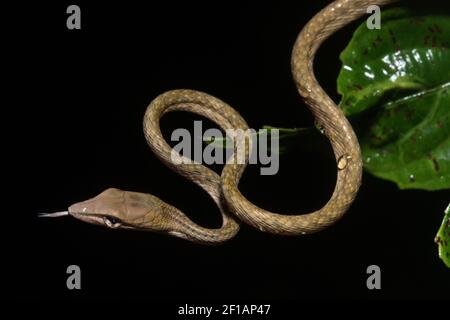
x: 108, y: 204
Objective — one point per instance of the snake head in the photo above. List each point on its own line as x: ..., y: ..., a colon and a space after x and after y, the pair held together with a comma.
x: 114, y: 208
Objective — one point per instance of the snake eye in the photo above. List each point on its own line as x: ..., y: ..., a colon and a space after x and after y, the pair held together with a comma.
x: 111, y: 221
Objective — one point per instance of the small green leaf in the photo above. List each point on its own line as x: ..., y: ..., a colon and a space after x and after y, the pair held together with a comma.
x: 397, y: 80
x: 288, y: 138
x: 443, y: 238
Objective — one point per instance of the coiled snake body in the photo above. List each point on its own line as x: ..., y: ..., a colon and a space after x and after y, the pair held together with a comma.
x: 122, y: 209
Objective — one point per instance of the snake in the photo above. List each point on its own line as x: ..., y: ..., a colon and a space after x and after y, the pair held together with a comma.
x: 119, y: 209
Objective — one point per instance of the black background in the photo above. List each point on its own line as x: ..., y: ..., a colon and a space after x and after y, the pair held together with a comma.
x: 79, y: 114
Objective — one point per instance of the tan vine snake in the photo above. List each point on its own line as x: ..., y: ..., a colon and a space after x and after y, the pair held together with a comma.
x: 115, y: 208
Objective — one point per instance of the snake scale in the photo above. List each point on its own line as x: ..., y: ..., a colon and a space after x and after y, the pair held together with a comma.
x: 116, y: 208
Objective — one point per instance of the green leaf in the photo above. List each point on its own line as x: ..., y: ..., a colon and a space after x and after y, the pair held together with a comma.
x: 443, y: 238
x: 409, y: 53
x: 288, y: 138
x: 397, y: 80
x: 408, y: 141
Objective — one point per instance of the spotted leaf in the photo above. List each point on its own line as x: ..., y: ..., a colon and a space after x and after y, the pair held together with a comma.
x: 395, y: 86
x: 443, y: 238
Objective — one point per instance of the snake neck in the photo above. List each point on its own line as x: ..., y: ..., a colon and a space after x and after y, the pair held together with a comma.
x: 183, y: 227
